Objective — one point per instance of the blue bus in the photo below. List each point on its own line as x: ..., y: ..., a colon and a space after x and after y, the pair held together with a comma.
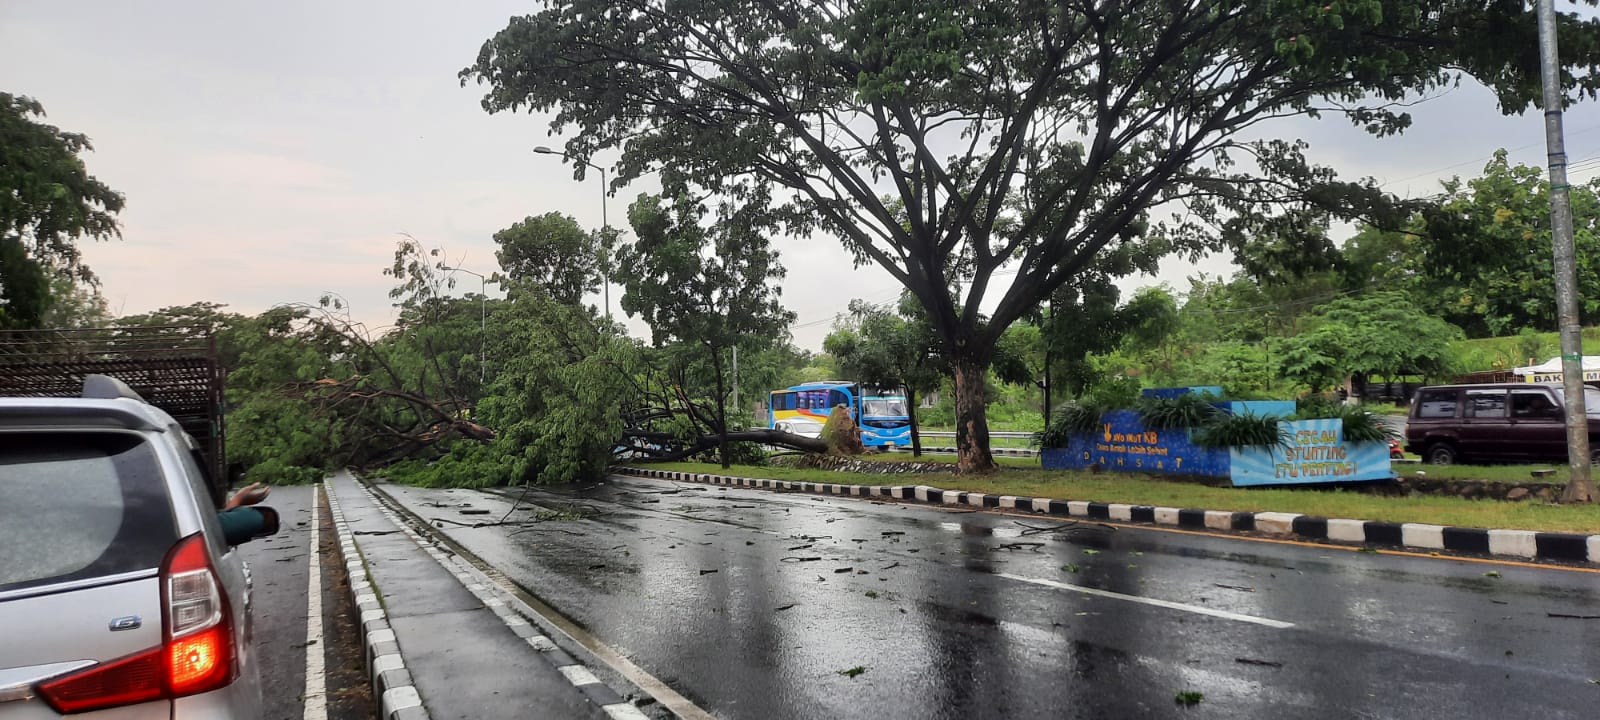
x: 884, y: 421
x: 803, y: 410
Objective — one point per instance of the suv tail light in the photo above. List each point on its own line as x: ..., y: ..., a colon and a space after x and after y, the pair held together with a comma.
x: 197, y: 654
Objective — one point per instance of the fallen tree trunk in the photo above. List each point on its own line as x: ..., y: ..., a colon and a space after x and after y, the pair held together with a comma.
x: 654, y: 446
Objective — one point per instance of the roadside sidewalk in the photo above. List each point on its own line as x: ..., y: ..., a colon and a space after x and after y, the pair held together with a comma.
x: 442, y: 644
x: 1524, y: 544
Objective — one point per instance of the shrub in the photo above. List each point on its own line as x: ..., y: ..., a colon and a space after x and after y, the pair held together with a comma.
x: 1181, y: 411
x: 1316, y: 405
x: 1363, y: 426
x: 1067, y: 421
x: 1226, y: 430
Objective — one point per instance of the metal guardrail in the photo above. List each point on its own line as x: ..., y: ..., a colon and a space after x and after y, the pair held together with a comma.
x: 1005, y: 434
x: 1014, y: 452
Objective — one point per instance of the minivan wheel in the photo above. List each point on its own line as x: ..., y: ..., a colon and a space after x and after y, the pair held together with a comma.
x: 1442, y: 454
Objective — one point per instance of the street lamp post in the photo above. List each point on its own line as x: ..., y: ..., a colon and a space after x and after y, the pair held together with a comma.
x: 483, y: 316
x: 605, y: 225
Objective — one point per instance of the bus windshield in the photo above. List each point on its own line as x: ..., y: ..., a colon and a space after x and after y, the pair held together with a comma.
x: 884, y: 407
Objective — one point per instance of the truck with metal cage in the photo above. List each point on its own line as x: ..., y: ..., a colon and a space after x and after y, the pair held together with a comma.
x: 175, y: 368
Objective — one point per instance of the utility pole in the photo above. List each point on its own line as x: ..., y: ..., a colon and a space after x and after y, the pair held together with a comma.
x: 1580, y: 487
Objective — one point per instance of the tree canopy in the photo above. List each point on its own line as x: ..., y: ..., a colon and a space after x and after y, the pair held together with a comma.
x: 554, y: 251
x: 48, y: 202
x: 958, y: 144
x: 703, y: 277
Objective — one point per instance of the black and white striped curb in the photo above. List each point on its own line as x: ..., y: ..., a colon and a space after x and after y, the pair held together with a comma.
x: 1529, y: 544
x: 391, y: 682
x: 499, y: 600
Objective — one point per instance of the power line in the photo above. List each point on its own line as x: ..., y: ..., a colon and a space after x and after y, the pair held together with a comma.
x: 1490, y: 156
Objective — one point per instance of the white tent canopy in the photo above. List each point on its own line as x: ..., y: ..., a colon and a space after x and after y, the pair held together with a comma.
x: 1591, y: 364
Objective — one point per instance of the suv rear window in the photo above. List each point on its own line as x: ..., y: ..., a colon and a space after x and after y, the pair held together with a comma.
x: 75, y: 506
x: 1436, y: 404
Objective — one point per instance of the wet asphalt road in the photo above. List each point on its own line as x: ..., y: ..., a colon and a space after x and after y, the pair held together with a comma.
x: 280, y: 567
x: 954, y: 614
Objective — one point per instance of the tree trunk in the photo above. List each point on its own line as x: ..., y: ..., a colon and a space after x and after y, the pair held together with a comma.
x: 972, y: 417
x: 722, y: 409
x: 1579, y: 490
x: 911, y: 414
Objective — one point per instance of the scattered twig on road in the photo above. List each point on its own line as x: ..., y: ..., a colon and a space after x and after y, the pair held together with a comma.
x: 1063, y: 528
x: 785, y: 607
x: 1034, y: 546
x: 597, y: 567
x: 843, y: 570
x: 895, y: 565
x: 708, y: 572
x: 374, y: 532
x: 797, y: 558
x: 474, y: 511
x: 887, y: 533
x: 1262, y: 663
x: 1235, y: 587
x: 802, y: 547
x: 1572, y: 617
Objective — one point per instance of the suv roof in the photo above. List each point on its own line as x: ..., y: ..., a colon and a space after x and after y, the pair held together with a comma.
x: 1486, y: 386
x: 125, y: 413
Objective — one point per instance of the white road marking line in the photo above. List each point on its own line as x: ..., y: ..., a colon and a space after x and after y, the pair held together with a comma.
x: 316, y: 683
x: 1150, y: 601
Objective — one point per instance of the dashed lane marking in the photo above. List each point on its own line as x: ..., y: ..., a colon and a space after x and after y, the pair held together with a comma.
x: 1196, y: 609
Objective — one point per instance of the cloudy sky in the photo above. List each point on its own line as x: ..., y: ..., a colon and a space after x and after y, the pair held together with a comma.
x: 273, y: 151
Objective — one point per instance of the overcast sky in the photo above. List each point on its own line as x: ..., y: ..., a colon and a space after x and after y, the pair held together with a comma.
x: 273, y: 151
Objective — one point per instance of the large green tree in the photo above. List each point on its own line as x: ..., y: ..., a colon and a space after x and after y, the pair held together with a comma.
x: 48, y: 202
x: 1005, y: 147
x: 551, y: 250
x: 1481, y: 259
x: 1380, y: 334
x: 703, y: 277
x: 886, y: 348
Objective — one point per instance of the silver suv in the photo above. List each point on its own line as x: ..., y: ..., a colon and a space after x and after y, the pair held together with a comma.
x: 118, y: 592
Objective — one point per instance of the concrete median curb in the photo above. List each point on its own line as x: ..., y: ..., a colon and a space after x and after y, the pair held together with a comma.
x: 391, y: 682
x: 1523, y: 544
x: 497, y: 599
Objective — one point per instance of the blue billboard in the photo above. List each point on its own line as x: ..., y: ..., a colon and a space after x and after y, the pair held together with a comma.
x: 1313, y: 451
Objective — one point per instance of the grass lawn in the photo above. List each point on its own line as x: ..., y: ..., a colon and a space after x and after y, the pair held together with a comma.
x: 1498, y: 473
x: 1147, y: 490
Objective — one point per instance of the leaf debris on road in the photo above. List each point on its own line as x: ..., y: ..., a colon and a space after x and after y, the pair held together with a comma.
x: 852, y: 672
x: 1188, y: 698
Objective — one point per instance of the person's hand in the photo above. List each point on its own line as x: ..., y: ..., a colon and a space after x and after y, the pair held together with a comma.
x: 249, y: 495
